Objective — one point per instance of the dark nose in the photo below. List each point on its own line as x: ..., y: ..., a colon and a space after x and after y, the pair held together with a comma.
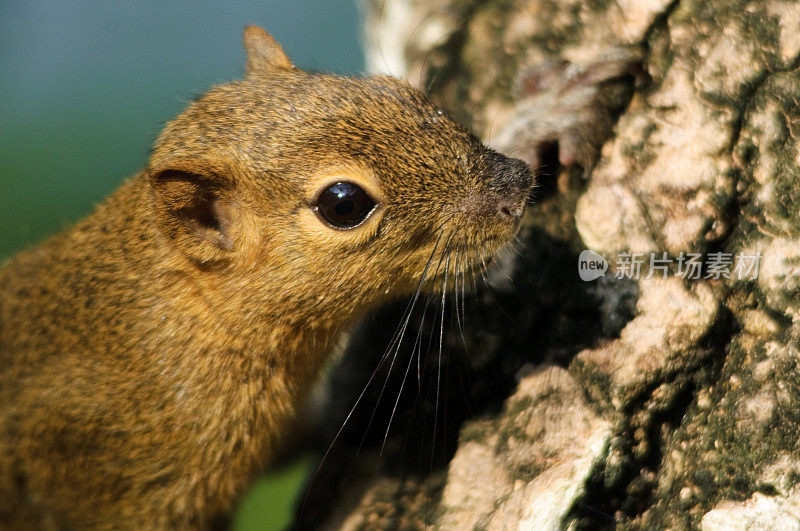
x: 510, y: 184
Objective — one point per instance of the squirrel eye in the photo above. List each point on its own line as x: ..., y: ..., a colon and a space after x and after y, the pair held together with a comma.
x: 343, y: 205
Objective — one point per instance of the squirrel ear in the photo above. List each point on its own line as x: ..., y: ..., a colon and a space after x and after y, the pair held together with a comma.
x: 195, y: 210
x: 263, y: 52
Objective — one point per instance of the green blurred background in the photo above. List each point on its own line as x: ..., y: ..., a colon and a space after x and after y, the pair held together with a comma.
x: 85, y: 87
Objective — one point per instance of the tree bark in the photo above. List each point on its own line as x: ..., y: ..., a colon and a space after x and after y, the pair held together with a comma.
x: 660, y: 130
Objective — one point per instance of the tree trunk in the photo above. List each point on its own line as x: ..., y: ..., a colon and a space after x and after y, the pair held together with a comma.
x: 664, y: 134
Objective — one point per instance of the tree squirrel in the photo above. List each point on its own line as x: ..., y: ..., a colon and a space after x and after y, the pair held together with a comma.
x: 153, y: 355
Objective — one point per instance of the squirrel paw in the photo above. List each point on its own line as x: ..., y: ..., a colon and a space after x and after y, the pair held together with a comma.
x: 569, y: 107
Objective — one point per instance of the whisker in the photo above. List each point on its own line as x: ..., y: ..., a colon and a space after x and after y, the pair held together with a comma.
x: 395, y: 346
x: 459, y: 314
x: 445, y: 252
x: 380, y: 45
x: 463, y: 21
x: 400, y: 392
x: 439, y: 364
x: 494, y: 297
x: 463, y: 297
x: 435, y: 230
x: 418, y: 342
x: 407, y: 313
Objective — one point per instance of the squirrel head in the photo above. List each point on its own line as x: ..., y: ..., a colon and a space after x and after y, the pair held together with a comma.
x: 326, y: 191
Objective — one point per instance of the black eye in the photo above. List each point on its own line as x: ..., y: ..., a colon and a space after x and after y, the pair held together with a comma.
x: 343, y: 205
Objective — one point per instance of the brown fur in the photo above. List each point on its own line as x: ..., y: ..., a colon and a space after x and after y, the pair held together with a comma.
x: 152, y: 356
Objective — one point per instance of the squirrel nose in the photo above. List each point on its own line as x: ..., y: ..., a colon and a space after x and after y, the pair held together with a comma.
x: 511, y: 183
x: 511, y: 212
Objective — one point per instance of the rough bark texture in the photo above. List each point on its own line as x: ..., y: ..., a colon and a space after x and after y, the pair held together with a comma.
x: 657, y: 126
